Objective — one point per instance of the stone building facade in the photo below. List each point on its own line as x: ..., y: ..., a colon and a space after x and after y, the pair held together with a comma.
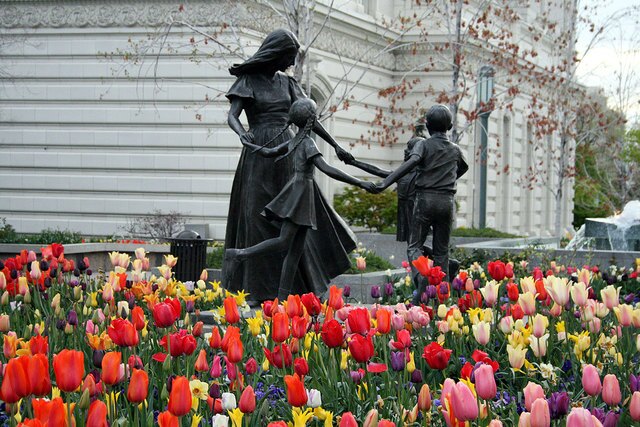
x: 92, y: 137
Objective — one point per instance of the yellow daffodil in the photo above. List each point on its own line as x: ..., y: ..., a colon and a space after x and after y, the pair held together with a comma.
x: 300, y: 417
x: 255, y: 325
x: 236, y: 417
x: 199, y: 391
x: 582, y: 343
x: 411, y: 364
x: 475, y: 315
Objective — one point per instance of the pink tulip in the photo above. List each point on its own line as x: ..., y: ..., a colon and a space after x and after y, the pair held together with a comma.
x: 532, y: 392
x: 634, y: 406
x: 525, y: 420
x: 540, y: 416
x: 495, y: 423
x: 591, y: 380
x: 580, y: 417
x: 348, y: 420
x: 611, y: 390
x: 463, y: 403
x: 485, y: 382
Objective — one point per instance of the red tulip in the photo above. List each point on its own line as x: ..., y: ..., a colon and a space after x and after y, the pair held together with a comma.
x: 180, y: 397
x: 251, y: 366
x: 181, y: 343
x: 312, y: 303
x: 296, y: 393
x: 232, y: 332
x: 332, y: 333
x: 361, y: 348
x: 348, y: 420
x: 201, y: 362
x: 280, y: 357
x: 497, y: 270
x: 359, y: 320
x: 167, y: 419
x: 111, y: 367
x: 138, y: 386
x: 300, y: 366
x: 299, y: 326
x: 15, y: 383
x: 386, y: 423
x: 197, y: 329
x: 39, y: 344
x: 68, y: 366
x: 247, y: 402
x: 422, y: 265
x: 166, y: 313
x: 235, y: 350
x: 277, y: 424
x: 137, y: 318
x: 280, y: 327
x: 512, y: 292
x: 39, y: 378
x: 97, y: 416
x: 436, y: 356
x: 231, y: 313
x: 123, y: 333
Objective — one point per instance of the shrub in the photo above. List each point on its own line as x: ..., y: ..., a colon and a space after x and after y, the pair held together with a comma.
x: 374, y: 262
x: 362, y: 209
x: 481, y: 232
x: 215, y: 255
x: 7, y: 232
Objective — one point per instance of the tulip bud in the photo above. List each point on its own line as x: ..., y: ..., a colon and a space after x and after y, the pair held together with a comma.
x: 229, y: 401
x: 371, y: 420
x: 424, y: 398
x: 5, y: 323
x: 3, y: 281
x: 166, y: 365
x: 85, y: 399
x: 5, y: 298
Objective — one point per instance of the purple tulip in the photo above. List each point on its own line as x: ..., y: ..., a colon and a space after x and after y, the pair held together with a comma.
x: 611, y: 419
x: 375, y: 291
x: 558, y: 404
x: 431, y: 292
x: 398, y: 361
x: 598, y: 413
x: 346, y: 291
x: 72, y: 318
x: 634, y: 383
x: 356, y: 376
x: 457, y: 284
x: 388, y: 289
x: 416, y: 376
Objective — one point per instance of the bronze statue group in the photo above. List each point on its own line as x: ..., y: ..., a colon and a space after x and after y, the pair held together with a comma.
x: 282, y: 235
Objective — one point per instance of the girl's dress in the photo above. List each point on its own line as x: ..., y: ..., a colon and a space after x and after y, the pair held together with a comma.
x: 258, y: 180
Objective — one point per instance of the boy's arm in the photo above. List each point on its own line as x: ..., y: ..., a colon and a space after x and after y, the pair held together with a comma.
x: 369, y: 168
x: 266, y: 151
x: 402, y: 170
x: 463, y: 167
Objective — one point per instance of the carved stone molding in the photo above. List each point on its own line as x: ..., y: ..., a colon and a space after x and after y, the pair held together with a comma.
x: 139, y: 13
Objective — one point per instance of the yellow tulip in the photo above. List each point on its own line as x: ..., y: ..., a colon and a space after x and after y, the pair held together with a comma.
x: 482, y: 332
x: 236, y: 417
x: 516, y: 356
x: 539, y: 345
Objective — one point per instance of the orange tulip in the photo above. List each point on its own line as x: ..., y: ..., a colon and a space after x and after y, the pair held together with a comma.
x: 39, y: 344
x: 138, y: 386
x: 68, y: 366
x: 384, y: 321
x: 215, y: 341
x: 296, y: 393
x: 39, y: 378
x: 52, y: 412
x: 280, y: 327
x: 232, y: 332
x: 335, y: 298
x: 231, y: 314
x: 180, y: 397
x: 15, y: 383
x: 111, y: 367
x: 97, y: 416
x: 167, y: 419
x: 422, y: 265
x: 201, y: 362
x: 294, y: 306
x: 137, y: 318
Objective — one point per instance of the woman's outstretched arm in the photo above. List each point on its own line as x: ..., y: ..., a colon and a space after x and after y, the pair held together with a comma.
x: 342, y: 154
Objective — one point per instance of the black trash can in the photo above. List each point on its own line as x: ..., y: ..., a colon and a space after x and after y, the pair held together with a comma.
x: 191, y: 251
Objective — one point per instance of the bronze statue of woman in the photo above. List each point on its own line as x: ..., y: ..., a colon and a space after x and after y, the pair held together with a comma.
x: 265, y: 94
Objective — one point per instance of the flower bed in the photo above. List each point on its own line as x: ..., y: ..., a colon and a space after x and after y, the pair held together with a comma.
x: 499, y: 344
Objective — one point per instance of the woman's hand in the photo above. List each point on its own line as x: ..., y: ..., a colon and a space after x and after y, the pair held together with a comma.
x: 247, y: 138
x: 344, y: 155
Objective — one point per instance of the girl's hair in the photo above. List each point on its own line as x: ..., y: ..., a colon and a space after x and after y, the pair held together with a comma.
x: 303, y: 114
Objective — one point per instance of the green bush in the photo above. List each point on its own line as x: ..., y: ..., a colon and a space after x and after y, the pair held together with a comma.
x: 7, y: 232
x: 362, y: 209
x: 215, y: 255
x: 481, y: 232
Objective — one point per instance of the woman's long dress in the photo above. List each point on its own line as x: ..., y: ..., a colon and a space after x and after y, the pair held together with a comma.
x: 258, y: 180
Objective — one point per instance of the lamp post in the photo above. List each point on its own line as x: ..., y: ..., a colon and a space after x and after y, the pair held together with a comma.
x: 485, y: 92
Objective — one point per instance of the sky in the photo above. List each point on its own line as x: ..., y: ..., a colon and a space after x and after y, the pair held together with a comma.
x: 617, y: 53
